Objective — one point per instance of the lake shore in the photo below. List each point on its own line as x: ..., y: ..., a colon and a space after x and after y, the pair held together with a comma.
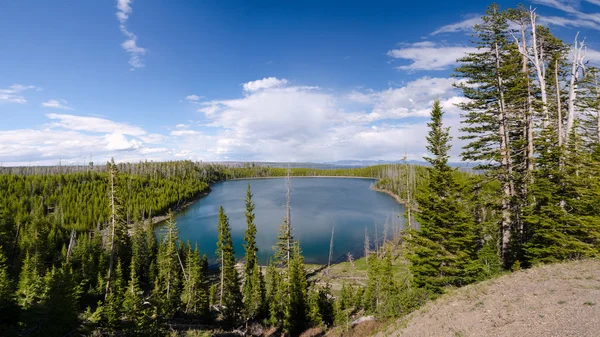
x: 283, y: 177
x: 397, y: 198
x: 162, y: 218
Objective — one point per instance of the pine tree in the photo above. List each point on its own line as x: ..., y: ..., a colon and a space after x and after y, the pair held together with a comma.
x: 489, y: 125
x: 295, y: 315
x: 133, y: 303
x: 30, y: 288
x: 169, y: 271
x: 114, y: 301
x: 285, y: 239
x: 253, y: 290
x: 560, y: 226
x: 8, y: 306
x: 445, y: 245
x: 195, y: 293
x: 230, y: 297
x: 58, y: 310
x: 119, y: 237
x: 275, y: 294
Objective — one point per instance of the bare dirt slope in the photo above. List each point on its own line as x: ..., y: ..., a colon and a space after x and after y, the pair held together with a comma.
x: 552, y: 300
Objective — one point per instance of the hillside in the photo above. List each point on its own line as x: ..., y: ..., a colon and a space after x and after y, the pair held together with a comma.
x: 551, y: 300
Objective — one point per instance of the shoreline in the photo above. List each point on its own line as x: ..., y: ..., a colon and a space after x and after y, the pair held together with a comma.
x: 397, y: 198
x: 283, y: 177
x: 162, y: 218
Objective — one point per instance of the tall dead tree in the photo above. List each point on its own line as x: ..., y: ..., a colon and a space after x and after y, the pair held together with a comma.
x: 578, y: 51
x: 112, y: 172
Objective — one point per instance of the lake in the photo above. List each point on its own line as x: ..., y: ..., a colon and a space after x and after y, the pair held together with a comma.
x: 317, y: 205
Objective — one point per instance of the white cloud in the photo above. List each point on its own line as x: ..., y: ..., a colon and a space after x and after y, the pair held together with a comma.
x: 577, y: 17
x: 193, y: 98
x: 300, y: 124
x: 13, y: 93
x: 116, y: 141
x: 93, y: 124
x: 566, y: 22
x: 461, y: 26
x: 130, y: 45
x: 429, y: 56
x: 273, y: 123
x: 593, y: 56
x: 265, y: 83
x: 183, y: 133
x: 53, y: 103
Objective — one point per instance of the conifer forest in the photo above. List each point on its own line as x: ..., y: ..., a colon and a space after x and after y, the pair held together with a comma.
x: 79, y: 254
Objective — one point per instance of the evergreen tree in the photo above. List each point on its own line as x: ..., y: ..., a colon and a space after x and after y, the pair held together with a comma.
x: 30, y: 288
x: 8, y: 306
x: 58, y: 310
x: 133, y: 303
x: 275, y: 294
x: 230, y: 297
x: 253, y: 291
x: 560, y: 226
x: 169, y: 271
x: 489, y: 124
x: 195, y: 292
x: 445, y: 245
x: 113, y: 305
x: 296, y: 309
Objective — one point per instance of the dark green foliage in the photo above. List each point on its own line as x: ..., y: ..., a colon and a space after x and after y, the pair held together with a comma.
x: 254, y: 290
x: 295, y: 313
x: 230, y: 297
x: 445, y: 246
x: 113, y: 305
x: 169, y: 280
x: 563, y: 223
x: 133, y: 302
x: 320, y: 306
x: 8, y: 305
x: 195, y: 288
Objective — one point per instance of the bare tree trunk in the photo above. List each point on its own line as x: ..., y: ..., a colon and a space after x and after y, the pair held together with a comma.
x: 330, y: 248
x: 367, y: 244
x: 559, y: 117
x: 539, y: 67
x: 528, y: 131
x: 288, y: 213
x: 113, y: 223
x: 506, y: 161
x: 578, y: 57
x: 408, y: 201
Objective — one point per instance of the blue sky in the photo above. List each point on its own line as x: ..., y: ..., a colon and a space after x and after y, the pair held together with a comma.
x: 237, y: 80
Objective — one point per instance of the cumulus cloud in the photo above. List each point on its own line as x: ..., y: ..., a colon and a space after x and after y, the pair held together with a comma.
x: 130, y: 45
x: 429, y: 55
x: 274, y: 121
x: 116, y: 141
x: 265, y: 83
x: 56, y: 104
x: 298, y: 123
x: 13, y: 94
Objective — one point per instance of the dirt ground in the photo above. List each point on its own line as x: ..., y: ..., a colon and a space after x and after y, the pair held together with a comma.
x: 552, y: 300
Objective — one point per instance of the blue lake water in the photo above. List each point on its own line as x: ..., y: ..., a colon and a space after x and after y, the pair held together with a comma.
x: 317, y: 205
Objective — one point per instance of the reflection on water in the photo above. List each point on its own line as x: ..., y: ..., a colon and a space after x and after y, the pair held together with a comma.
x: 317, y: 204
